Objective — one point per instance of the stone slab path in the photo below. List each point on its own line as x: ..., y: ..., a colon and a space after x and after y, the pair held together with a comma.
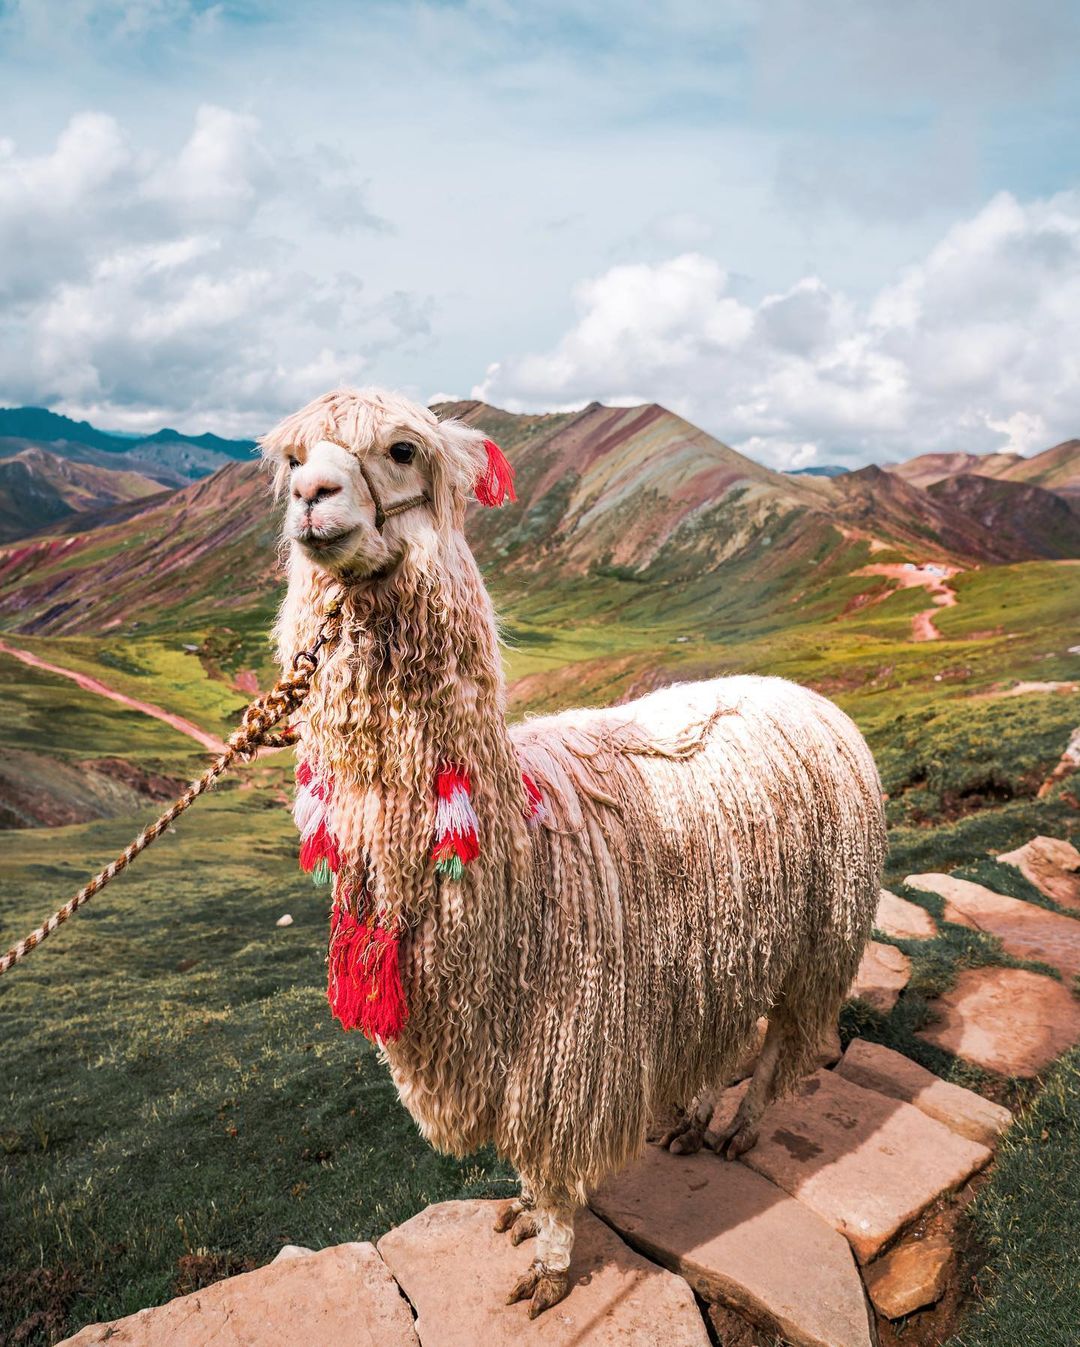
x: 1006, y: 1019
x: 1052, y: 865
x: 340, y: 1295
x: 891, y: 1073
x: 457, y: 1272
x: 736, y: 1237
x: 882, y: 976
x: 867, y: 1164
x: 903, y: 920
x: 1026, y: 931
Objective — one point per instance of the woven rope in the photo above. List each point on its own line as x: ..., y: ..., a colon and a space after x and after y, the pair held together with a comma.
x: 256, y: 731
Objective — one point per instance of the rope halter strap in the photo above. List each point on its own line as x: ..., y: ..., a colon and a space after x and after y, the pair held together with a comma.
x: 382, y: 512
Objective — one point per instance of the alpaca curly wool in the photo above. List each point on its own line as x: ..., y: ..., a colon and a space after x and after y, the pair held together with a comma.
x: 634, y: 886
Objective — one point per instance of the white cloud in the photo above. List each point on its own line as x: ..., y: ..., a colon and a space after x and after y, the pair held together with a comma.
x: 145, y: 287
x: 976, y: 347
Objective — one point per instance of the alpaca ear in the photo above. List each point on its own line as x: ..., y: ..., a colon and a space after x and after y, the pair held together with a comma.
x: 496, y: 482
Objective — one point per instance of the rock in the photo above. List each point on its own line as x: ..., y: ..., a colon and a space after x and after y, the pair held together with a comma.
x: 1052, y: 865
x: 736, y: 1238
x: 903, y: 920
x: 1006, y: 1019
x: 1025, y: 930
x: 882, y: 976
x: 288, y: 1251
x: 457, y: 1272
x: 286, y: 920
x: 343, y: 1294
x: 910, y: 1276
x: 962, y: 1111
x: 865, y: 1163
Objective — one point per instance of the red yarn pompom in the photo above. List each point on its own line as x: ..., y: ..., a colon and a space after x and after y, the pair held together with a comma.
x: 496, y: 482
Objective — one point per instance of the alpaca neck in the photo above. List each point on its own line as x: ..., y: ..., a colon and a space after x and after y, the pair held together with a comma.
x: 414, y: 684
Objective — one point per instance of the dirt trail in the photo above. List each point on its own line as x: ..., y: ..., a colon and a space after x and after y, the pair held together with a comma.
x: 89, y: 684
x: 935, y: 582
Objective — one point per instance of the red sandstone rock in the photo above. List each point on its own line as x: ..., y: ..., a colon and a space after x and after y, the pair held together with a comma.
x: 739, y: 1240
x: 457, y: 1272
x: 910, y: 1276
x: 877, y: 1068
x: 1025, y: 930
x: 882, y: 976
x: 1006, y: 1019
x: 1052, y: 865
x: 906, y: 921
x: 865, y: 1163
x: 339, y: 1295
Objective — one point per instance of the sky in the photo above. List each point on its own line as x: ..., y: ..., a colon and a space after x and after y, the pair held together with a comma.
x: 825, y: 231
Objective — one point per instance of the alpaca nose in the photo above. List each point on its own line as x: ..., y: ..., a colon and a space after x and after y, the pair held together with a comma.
x: 313, y: 487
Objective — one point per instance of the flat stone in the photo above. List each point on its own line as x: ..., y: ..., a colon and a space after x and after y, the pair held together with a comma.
x: 738, y: 1239
x: 963, y: 1111
x: 910, y: 1276
x: 458, y: 1272
x: 883, y: 974
x: 865, y: 1163
x: 903, y: 920
x: 1006, y: 1019
x: 343, y: 1294
x: 1025, y: 930
x: 1052, y: 865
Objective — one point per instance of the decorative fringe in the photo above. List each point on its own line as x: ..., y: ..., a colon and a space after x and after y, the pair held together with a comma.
x: 319, y: 852
x: 364, y: 983
x: 457, y: 840
x: 534, y: 810
x: 496, y: 482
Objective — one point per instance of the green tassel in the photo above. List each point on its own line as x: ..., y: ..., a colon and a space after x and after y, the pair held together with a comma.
x: 451, y: 868
x: 322, y: 874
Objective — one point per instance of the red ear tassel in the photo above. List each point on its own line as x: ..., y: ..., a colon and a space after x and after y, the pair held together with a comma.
x: 496, y: 482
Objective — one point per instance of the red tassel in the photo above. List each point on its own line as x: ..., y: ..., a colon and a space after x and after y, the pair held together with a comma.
x: 320, y: 846
x: 364, y: 986
x: 496, y: 482
x: 304, y: 774
x: 535, y: 806
x: 463, y: 845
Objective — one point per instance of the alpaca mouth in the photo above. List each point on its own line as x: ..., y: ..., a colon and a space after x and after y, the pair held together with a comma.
x: 324, y: 542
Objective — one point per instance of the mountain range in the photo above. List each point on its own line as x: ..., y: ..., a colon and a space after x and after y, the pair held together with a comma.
x: 633, y: 494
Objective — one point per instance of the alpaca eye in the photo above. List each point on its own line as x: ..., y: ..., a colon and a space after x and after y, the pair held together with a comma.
x: 402, y: 452
x: 292, y: 462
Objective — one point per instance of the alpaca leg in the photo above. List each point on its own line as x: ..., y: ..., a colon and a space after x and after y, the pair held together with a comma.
x: 686, y: 1136
x: 548, y: 1279
x: 518, y: 1216
x: 742, y: 1132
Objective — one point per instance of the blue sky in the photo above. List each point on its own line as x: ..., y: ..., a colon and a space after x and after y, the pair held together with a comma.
x: 824, y: 231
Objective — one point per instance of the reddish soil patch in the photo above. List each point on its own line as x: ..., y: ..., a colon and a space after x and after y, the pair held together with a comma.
x: 45, y: 1295
x: 935, y: 582
x: 196, y: 1270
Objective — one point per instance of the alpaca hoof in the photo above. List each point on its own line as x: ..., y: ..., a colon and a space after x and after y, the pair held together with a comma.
x: 525, y: 1227
x: 733, y: 1141
x: 508, y: 1214
x: 541, y: 1287
x: 688, y: 1142
x: 667, y: 1142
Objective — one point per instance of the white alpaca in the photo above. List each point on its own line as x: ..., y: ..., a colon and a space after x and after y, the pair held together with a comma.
x: 565, y: 927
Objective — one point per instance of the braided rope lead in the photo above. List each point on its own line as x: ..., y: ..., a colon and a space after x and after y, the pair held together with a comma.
x: 256, y: 730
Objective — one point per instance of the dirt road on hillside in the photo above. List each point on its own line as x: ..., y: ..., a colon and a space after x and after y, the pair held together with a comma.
x: 89, y: 684
x: 935, y: 582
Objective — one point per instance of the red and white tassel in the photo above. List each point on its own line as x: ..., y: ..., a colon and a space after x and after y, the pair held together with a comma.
x: 457, y: 829
x: 496, y: 482
x: 319, y: 853
x: 364, y: 981
x: 535, y: 810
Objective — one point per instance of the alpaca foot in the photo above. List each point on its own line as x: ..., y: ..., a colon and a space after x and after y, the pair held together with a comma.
x: 542, y: 1286
x: 509, y: 1214
x: 684, y: 1138
x: 734, y: 1140
x: 525, y: 1227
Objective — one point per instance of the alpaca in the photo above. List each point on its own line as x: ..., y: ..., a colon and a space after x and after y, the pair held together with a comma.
x: 557, y: 930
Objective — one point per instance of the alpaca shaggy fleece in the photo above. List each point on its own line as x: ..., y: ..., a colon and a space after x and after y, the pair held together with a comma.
x: 708, y: 854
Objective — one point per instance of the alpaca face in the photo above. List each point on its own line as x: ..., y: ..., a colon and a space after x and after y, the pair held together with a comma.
x: 369, y: 475
x: 334, y: 500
